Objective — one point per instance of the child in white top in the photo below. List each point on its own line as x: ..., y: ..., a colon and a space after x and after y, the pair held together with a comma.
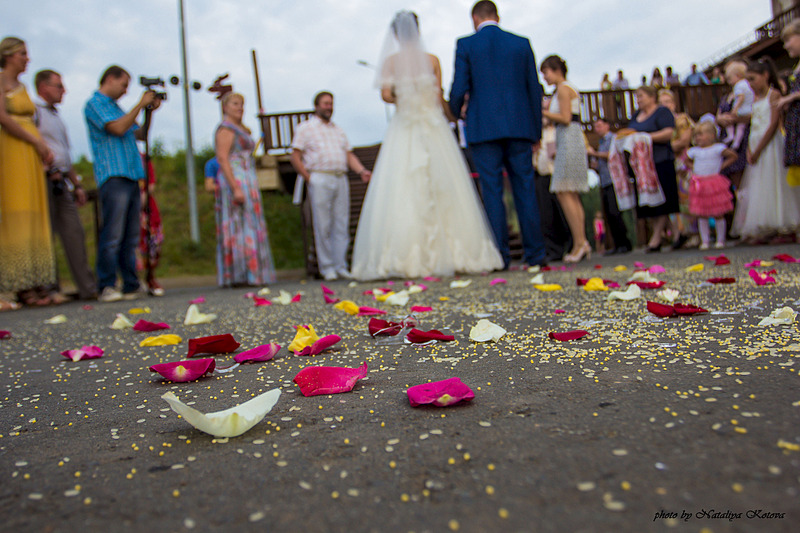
x: 709, y: 191
x: 743, y: 98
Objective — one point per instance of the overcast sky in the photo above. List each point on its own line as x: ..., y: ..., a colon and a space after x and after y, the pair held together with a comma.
x: 307, y: 45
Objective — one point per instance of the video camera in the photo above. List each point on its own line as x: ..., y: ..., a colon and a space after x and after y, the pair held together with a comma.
x: 149, y: 83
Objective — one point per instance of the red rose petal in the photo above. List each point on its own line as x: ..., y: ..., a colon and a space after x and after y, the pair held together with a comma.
x: 260, y: 302
x: 5, y: 334
x: 785, y: 258
x: 645, y: 285
x: 417, y: 337
x: 213, y: 344
x: 329, y: 300
x: 420, y: 309
x: 661, y: 310
x: 316, y: 380
x: 439, y: 393
x: 688, y: 309
x: 296, y: 298
x: 721, y: 280
x: 379, y: 327
x: 321, y: 345
x: 568, y: 335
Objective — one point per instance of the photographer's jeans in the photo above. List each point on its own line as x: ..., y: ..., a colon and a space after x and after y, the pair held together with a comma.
x: 120, y: 206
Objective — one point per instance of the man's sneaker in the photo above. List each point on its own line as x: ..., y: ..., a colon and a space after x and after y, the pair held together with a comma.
x: 136, y: 294
x: 109, y: 294
x: 344, y: 274
x: 330, y: 276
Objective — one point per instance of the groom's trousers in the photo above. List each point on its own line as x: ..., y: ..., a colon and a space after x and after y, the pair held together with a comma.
x: 329, y: 193
x: 515, y: 155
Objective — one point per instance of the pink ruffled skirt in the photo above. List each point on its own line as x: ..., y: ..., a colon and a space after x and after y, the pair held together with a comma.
x: 710, y: 196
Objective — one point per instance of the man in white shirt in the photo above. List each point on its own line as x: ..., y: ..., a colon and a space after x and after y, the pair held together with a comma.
x: 321, y: 155
x: 64, y: 188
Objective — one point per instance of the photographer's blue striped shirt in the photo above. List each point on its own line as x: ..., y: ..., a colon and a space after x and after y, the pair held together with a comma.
x: 114, y: 156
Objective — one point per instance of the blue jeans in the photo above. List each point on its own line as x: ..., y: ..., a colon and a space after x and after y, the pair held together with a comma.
x: 515, y: 155
x: 120, y: 206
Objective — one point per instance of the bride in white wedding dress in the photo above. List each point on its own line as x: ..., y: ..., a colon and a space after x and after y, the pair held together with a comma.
x: 421, y: 214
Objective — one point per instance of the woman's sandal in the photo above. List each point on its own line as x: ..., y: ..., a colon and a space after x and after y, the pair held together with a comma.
x: 31, y: 298
x: 5, y: 305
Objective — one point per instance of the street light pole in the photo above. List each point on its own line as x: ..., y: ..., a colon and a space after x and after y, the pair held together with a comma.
x: 194, y: 226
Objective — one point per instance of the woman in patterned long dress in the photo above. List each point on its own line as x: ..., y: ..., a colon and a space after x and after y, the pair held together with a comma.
x: 790, y: 105
x: 571, y: 172
x: 27, y: 262
x: 243, y: 253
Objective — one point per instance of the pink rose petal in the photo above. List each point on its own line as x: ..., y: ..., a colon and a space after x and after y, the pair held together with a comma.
x: 432, y: 278
x: 656, y: 269
x: 5, y: 334
x: 144, y: 325
x: 785, y: 258
x: 260, y: 302
x: 439, y: 393
x: 369, y: 311
x: 319, y: 346
x: 198, y: 300
x: 296, y: 298
x: 638, y: 264
x: 568, y: 335
x: 259, y: 354
x: 85, y: 352
x: 644, y: 285
x: 249, y: 294
x: 326, y: 290
x: 761, y: 278
x: 559, y: 311
x: 183, y: 371
x: 418, y: 337
x: 420, y: 309
x: 497, y: 281
x: 87, y: 307
x: 329, y: 300
x: 316, y: 380
x: 756, y: 263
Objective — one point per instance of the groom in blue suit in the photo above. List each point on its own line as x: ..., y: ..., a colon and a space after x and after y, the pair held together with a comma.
x: 496, y: 75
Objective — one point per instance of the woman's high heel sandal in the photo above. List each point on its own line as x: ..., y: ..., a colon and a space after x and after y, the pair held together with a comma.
x: 584, y: 252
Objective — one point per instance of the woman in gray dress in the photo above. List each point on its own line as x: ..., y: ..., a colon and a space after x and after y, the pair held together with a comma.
x: 570, y: 175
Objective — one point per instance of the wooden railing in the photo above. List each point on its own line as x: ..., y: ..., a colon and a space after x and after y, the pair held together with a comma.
x: 617, y: 107
x: 278, y: 130
x: 774, y: 27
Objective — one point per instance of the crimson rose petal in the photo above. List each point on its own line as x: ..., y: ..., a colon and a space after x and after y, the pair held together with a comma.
x: 259, y: 354
x: 688, y: 309
x: 183, y: 371
x: 213, y: 344
x: 721, y: 280
x: 260, y: 302
x: 439, y: 393
x: 5, y: 334
x: 144, y: 325
x: 661, y: 310
x: 316, y: 380
x: 420, y: 308
x: 568, y: 335
x: 383, y: 327
x: 368, y: 311
x: 417, y: 337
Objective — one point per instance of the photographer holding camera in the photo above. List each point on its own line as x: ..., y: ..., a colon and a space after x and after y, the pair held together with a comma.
x: 117, y: 170
x: 65, y: 191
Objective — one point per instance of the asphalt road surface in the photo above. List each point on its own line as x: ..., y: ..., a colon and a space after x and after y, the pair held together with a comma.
x: 689, y: 423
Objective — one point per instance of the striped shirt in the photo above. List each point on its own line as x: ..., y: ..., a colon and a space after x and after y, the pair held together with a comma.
x: 324, y: 145
x: 113, y: 156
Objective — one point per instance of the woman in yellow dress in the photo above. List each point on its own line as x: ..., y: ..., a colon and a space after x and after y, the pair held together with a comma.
x: 27, y: 262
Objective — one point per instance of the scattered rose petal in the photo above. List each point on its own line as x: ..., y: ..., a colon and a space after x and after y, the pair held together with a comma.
x: 144, y: 325
x: 368, y: 311
x: 263, y: 292
x: 329, y: 299
x: 497, y: 281
x: 620, y: 268
x: 598, y: 267
x: 319, y: 346
x: 87, y: 307
x: 439, y: 393
x: 485, y: 331
x: 379, y: 327
x: 297, y: 297
x: 347, y: 306
x: 58, y: 319
x: 5, y: 334
x: 414, y: 289
x: 781, y: 316
x: 139, y: 311
x: 398, y: 298
x: 85, y: 352
x: 595, y: 284
x: 721, y: 260
x: 656, y: 269
x: 648, y: 285
x: 538, y: 279
x: 382, y: 295
x: 161, y: 340
x: 224, y: 343
x: 316, y: 380
x: 784, y: 258
x: 326, y: 290
x: 689, y: 309
x: 194, y: 316
x: 183, y: 371
x: 416, y: 336
x: 568, y: 335
x: 533, y: 269
x: 432, y: 278
x: 660, y: 309
x: 259, y: 354
x: 631, y: 293
x: 230, y: 422
x: 559, y: 311
x: 547, y: 287
x: 260, y: 302
x: 305, y: 336
x: 721, y: 280
x: 460, y: 283
x: 198, y: 300
x: 420, y: 309
x: 761, y: 278
x: 695, y: 268
x: 638, y: 264
x: 668, y: 295
x: 285, y: 298
x: 121, y: 322
x: 643, y: 276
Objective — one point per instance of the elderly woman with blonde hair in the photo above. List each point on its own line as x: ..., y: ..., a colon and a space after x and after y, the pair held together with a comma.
x: 27, y: 262
x: 244, y: 257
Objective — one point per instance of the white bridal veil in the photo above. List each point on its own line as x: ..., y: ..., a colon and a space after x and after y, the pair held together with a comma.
x: 403, y: 56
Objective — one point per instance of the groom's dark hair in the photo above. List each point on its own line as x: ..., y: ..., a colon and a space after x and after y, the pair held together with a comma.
x: 485, y: 9
x: 319, y: 96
